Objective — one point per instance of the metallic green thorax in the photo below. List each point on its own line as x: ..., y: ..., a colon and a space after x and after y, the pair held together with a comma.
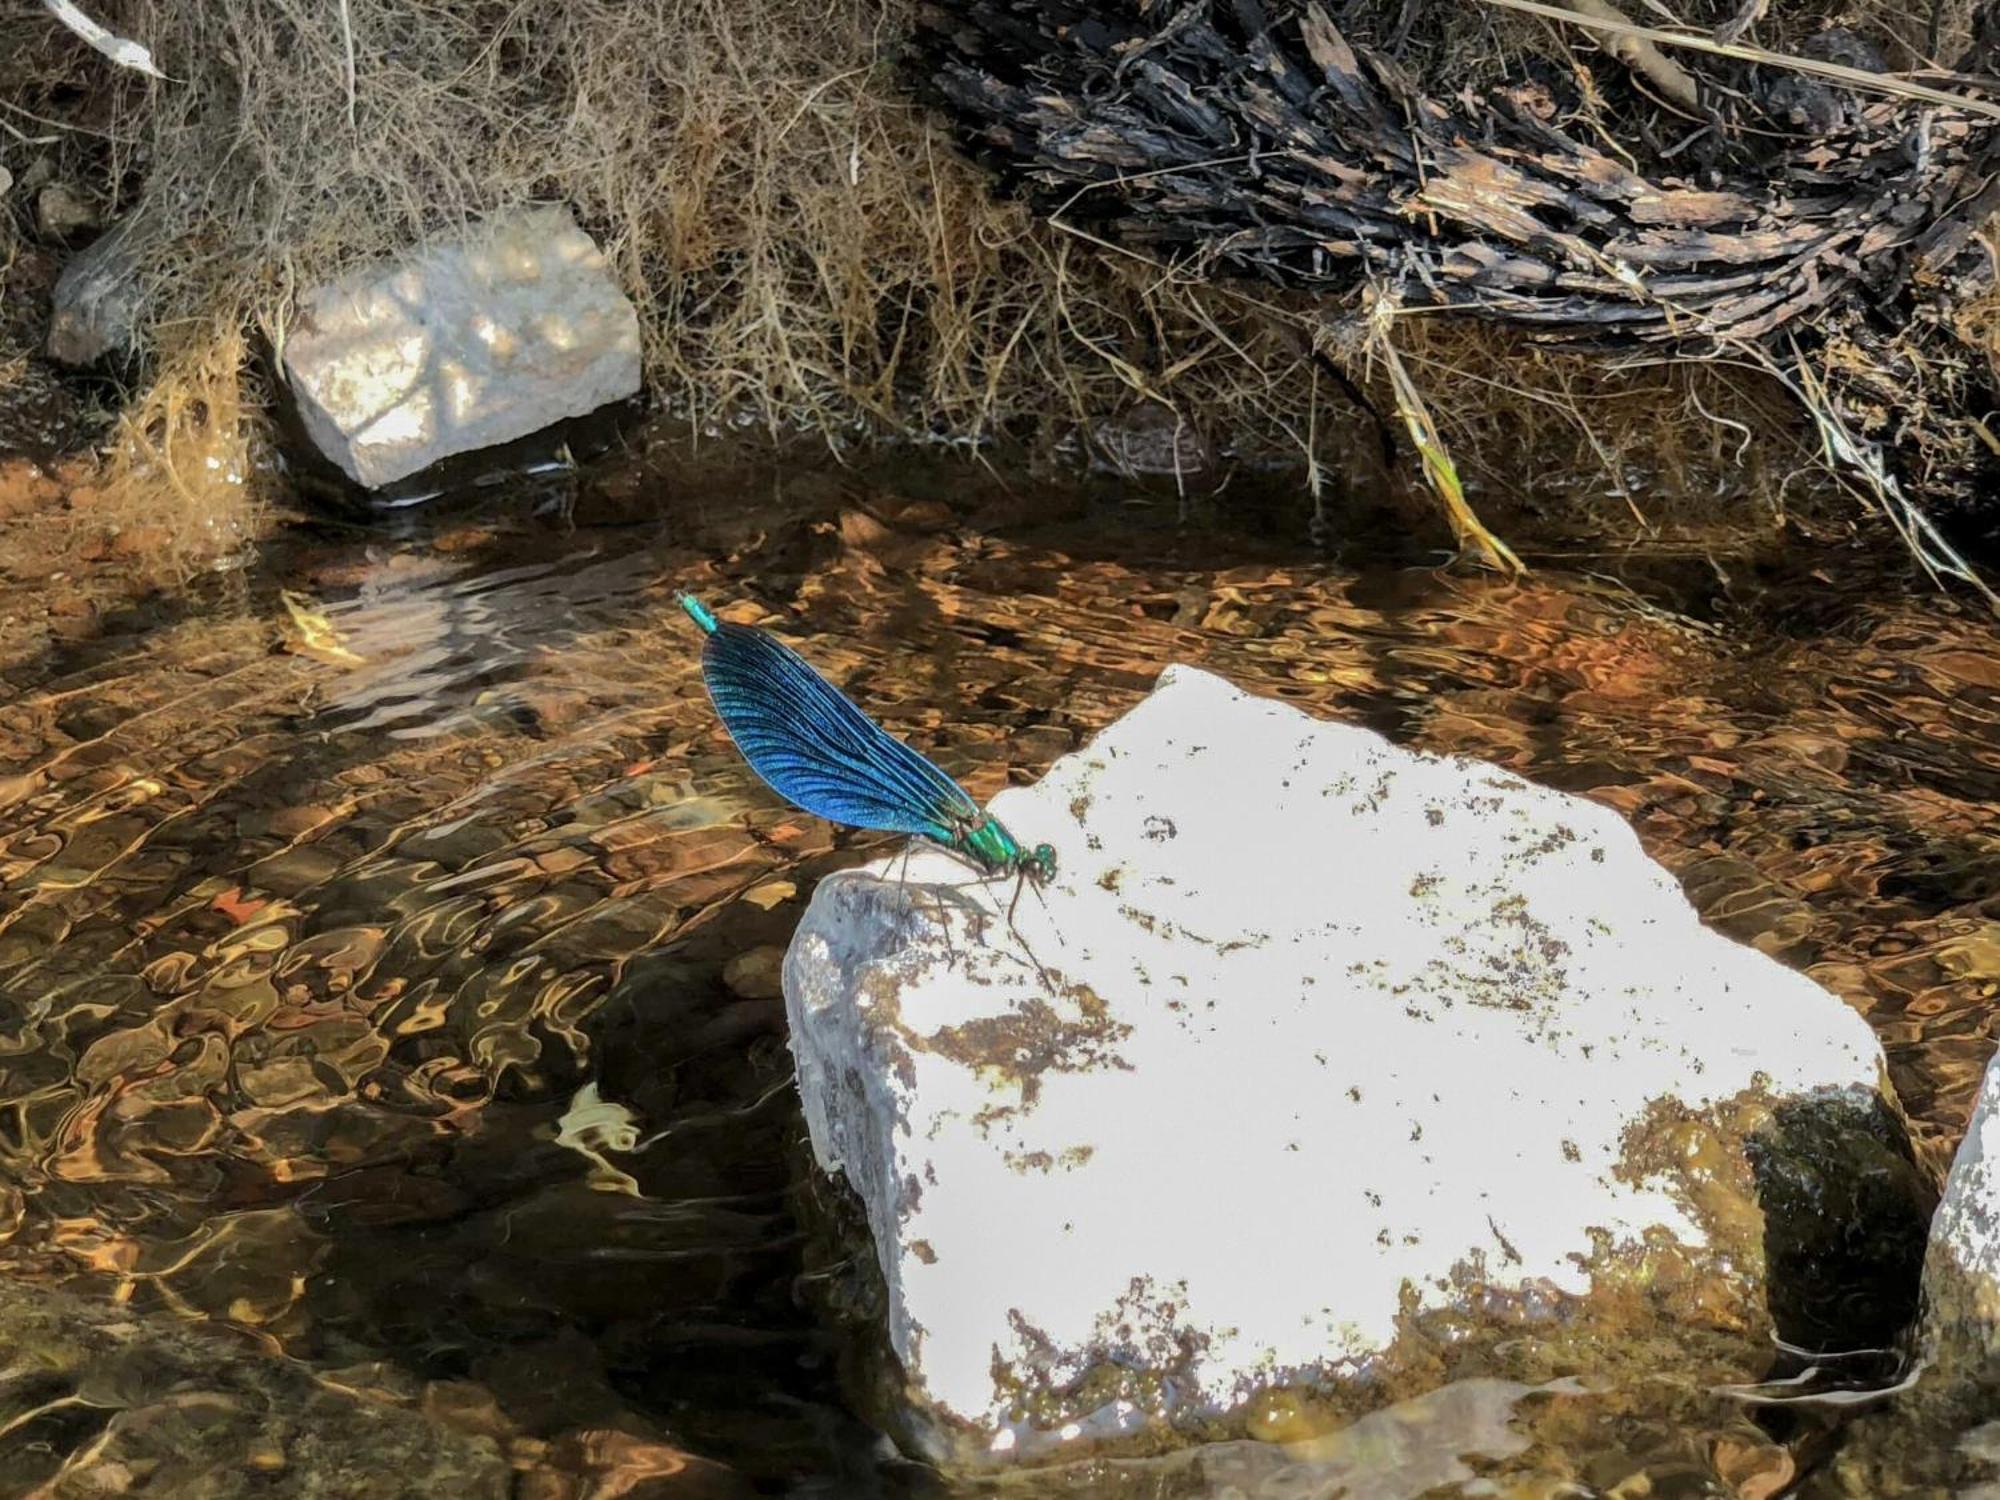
x: 989, y: 845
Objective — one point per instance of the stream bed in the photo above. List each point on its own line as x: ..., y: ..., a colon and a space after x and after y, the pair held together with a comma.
x: 389, y: 936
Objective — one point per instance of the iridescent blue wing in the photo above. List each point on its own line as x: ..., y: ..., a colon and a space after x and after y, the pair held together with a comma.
x: 815, y: 748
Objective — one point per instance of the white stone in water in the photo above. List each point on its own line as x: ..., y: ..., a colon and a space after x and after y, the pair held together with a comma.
x: 1337, y: 1022
x: 1962, y: 1265
x: 462, y: 347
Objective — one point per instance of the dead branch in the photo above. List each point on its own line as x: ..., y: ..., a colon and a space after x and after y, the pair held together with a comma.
x: 1640, y: 54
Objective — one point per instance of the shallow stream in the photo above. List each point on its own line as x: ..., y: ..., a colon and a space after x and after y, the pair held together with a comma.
x: 388, y: 934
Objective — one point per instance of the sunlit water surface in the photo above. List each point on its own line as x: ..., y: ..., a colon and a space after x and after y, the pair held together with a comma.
x: 387, y: 977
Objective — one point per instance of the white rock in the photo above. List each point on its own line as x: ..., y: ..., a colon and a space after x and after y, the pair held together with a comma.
x: 98, y: 300
x: 1962, y: 1267
x: 462, y: 347
x: 61, y: 211
x: 1339, y: 1021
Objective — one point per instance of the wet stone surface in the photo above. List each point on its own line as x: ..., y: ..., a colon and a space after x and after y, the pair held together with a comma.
x: 372, y: 978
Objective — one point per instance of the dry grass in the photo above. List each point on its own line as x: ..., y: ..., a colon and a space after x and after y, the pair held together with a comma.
x: 177, y: 491
x: 803, y: 242
x: 1647, y: 447
x: 1978, y: 321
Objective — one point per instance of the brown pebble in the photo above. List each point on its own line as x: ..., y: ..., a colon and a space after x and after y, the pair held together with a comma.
x: 1754, y: 1470
x: 926, y: 515
x: 24, y: 488
x: 756, y: 975
x: 141, y: 541
x: 467, y: 1406
x: 104, y: 1479
x: 546, y: 1484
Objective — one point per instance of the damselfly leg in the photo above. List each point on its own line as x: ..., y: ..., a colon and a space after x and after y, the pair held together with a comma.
x: 983, y: 879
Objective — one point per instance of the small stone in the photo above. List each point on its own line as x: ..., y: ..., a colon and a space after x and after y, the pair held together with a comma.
x: 106, y: 1479
x: 1538, y: 1487
x: 1754, y: 1470
x: 73, y: 611
x: 467, y: 1406
x: 96, y: 306
x: 296, y: 822
x: 1152, y: 439
x: 289, y: 1080
x: 61, y: 211
x: 470, y: 344
x: 546, y: 1484
x: 756, y: 975
x: 24, y: 488
x: 926, y: 515
x: 38, y: 174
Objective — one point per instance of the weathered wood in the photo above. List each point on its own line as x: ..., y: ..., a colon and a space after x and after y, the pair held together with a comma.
x: 1271, y: 143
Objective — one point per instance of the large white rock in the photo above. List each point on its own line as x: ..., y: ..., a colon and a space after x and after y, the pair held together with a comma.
x: 1962, y: 1268
x: 1337, y: 1024
x: 464, y: 346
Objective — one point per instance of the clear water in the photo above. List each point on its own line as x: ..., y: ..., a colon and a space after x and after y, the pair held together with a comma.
x: 316, y: 919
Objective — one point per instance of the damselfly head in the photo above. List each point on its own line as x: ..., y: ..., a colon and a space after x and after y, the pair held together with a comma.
x: 1039, y: 864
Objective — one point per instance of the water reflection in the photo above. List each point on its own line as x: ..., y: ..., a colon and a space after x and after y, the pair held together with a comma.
x: 410, y: 1009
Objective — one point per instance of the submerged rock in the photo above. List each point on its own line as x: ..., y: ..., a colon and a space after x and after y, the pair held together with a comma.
x: 1962, y: 1269
x: 100, y: 1402
x: 1153, y: 439
x: 1319, y: 1060
x: 462, y: 347
x: 1939, y: 1435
